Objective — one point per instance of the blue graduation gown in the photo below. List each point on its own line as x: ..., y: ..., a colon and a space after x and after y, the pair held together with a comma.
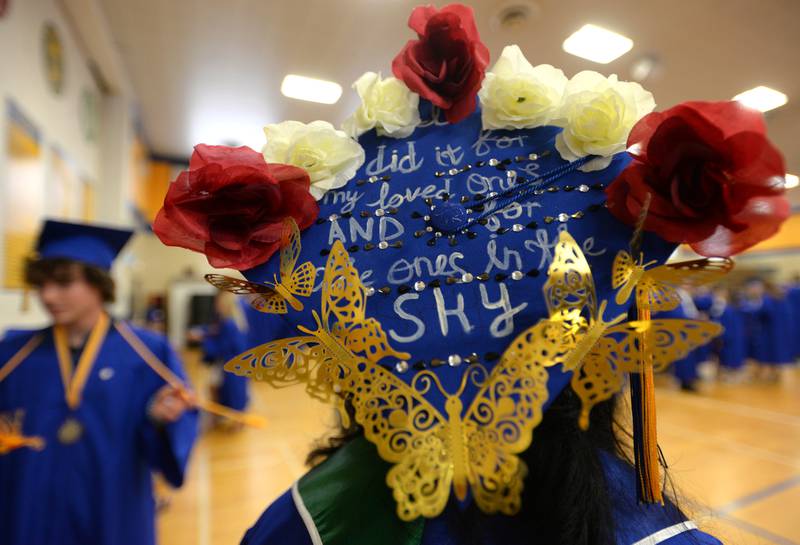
x: 685, y: 370
x: 262, y: 327
x: 793, y: 297
x: 703, y: 304
x: 779, y: 330
x: 757, y: 328
x: 98, y: 490
x: 283, y: 522
x: 220, y: 344
x: 732, y: 346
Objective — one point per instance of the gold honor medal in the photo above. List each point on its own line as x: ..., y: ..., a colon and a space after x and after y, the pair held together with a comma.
x: 70, y: 431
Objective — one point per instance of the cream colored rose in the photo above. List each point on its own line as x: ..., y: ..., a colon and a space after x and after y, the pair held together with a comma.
x: 517, y: 95
x: 330, y: 157
x: 387, y: 105
x: 597, y: 114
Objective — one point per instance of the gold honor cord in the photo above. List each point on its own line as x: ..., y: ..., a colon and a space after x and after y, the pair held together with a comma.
x: 20, y: 356
x: 175, y: 381
x: 74, y: 377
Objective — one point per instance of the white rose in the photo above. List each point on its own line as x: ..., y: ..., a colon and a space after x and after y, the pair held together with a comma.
x: 387, y: 105
x: 597, y: 114
x: 330, y: 157
x: 517, y: 95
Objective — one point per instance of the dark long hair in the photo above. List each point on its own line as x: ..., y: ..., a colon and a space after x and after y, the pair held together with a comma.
x: 565, y: 500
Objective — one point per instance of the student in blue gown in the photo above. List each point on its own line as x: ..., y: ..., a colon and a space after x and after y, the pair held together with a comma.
x: 731, y: 346
x: 780, y: 330
x: 223, y: 340
x: 107, y: 420
x: 685, y: 370
x: 793, y: 296
x: 756, y: 320
x: 703, y: 299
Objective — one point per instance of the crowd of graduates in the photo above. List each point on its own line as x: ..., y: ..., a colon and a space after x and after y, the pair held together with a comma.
x: 759, y: 320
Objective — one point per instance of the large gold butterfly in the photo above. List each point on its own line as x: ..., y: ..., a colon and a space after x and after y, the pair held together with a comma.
x: 474, y: 449
x: 657, y: 287
x: 600, y: 352
x: 11, y: 436
x: 272, y: 297
x: 325, y: 358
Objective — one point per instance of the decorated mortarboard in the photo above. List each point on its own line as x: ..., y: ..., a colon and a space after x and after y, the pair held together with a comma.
x: 470, y: 243
x: 87, y: 243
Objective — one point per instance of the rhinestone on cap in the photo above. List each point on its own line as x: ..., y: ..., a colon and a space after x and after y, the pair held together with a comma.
x: 383, y: 245
x: 467, y: 277
x: 516, y: 275
x: 454, y: 360
x: 401, y: 366
x: 419, y: 285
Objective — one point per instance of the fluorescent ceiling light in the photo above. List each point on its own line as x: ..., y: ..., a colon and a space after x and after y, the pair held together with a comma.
x: 790, y: 181
x: 762, y: 98
x: 310, y: 89
x: 597, y: 44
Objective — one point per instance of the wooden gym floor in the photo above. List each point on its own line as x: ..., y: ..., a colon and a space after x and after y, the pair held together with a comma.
x: 733, y: 450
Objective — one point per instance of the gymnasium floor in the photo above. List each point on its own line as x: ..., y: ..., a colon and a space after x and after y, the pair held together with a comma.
x: 734, y: 449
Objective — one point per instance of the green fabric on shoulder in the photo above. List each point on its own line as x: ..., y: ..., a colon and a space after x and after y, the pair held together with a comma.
x: 350, y: 502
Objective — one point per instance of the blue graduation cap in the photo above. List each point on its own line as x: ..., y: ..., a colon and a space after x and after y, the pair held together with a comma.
x: 91, y: 244
x: 448, y: 296
x: 452, y: 232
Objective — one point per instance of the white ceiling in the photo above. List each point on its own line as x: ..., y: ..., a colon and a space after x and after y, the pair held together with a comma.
x: 210, y: 70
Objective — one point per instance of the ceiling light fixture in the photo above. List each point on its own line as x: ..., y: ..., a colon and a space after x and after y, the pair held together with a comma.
x: 762, y: 98
x: 597, y: 44
x: 311, y: 89
x: 790, y: 181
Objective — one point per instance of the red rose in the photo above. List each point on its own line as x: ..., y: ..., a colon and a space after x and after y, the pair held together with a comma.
x: 446, y: 65
x: 230, y: 206
x: 715, y: 180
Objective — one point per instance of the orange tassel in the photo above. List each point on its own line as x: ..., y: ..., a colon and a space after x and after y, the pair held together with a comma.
x: 649, y: 472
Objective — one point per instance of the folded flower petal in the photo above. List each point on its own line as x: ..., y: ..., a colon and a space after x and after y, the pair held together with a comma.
x: 714, y: 179
x: 230, y: 206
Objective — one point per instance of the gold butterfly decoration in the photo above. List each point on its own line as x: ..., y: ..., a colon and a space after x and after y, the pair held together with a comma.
x: 272, y: 297
x: 657, y: 287
x: 473, y: 449
x: 434, y: 452
x: 323, y: 359
x: 600, y: 352
x: 11, y: 437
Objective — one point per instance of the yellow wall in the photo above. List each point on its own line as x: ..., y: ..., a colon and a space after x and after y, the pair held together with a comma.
x: 150, y: 181
x: 25, y: 202
x: 788, y: 238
